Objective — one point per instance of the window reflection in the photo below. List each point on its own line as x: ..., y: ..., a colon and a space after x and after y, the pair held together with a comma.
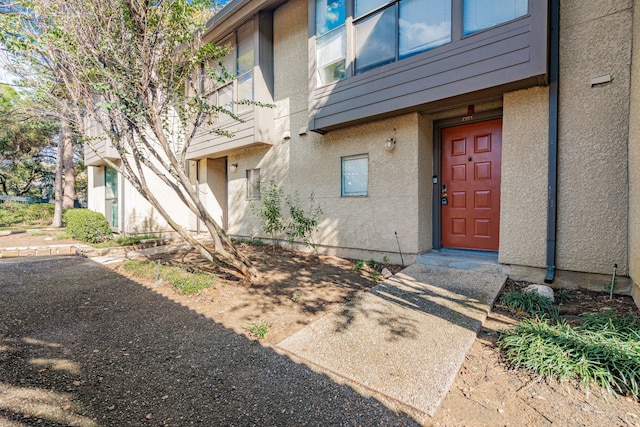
x: 423, y: 25
x: 481, y: 14
x: 376, y: 40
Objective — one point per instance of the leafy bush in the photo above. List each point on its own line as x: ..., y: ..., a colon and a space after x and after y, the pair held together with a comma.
x: 604, y: 349
x: 531, y: 303
x: 87, y: 226
x: 38, y: 214
x: 300, y: 224
x: 12, y: 213
x: 270, y: 213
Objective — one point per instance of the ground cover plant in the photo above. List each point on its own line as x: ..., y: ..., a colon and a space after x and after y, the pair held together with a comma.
x: 182, y: 278
x: 531, y: 303
x: 600, y: 348
x: 124, y: 241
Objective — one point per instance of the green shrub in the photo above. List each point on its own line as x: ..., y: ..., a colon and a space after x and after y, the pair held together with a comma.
x: 12, y: 213
x: 270, y: 212
x: 531, y: 303
x: 301, y: 223
x: 604, y: 349
x: 87, y: 226
x: 39, y: 214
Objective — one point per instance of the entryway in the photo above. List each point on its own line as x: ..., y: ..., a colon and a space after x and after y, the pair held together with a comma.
x: 470, y: 185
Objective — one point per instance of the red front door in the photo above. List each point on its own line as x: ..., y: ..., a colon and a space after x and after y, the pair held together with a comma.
x: 471, y: 185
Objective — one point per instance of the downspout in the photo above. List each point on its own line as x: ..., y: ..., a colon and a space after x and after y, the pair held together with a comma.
x: 554, y: 77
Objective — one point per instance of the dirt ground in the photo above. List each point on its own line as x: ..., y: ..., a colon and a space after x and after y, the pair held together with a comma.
x: 298, y: 288
x: 34, y: 237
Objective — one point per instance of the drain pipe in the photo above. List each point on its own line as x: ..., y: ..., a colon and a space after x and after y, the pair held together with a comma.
x: 554, y: 77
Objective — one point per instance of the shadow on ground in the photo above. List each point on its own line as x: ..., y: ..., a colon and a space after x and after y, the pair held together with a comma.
x: 82, y: 345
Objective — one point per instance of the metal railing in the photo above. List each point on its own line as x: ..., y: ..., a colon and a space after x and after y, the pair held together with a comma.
x: 22, y: 200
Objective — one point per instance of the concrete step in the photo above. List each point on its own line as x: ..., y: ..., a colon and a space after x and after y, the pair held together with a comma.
x: 486, y: 262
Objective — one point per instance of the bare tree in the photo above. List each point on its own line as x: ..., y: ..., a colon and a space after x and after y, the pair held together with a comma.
x: 133, y: 68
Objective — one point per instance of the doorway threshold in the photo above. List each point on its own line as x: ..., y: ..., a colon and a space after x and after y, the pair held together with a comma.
x: 484, y: 261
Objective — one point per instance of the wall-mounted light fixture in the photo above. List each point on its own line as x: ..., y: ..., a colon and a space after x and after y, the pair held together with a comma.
x: 233, y: 167
x: 390, y: 144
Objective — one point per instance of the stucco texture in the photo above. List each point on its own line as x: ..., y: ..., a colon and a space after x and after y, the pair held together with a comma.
x: 634, y: 159
x: 308, y: 162
x: 595, y: 40
x: 525, y: 150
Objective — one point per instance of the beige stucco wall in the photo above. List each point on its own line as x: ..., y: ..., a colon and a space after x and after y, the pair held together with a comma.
x: 634, y: 159
x: 308, y: 162
x: 525, y: 150
x: 595, y: 40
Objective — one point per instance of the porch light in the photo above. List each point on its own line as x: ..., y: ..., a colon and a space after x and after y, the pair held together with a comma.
x: 390, y: 144
x: 233, y: 167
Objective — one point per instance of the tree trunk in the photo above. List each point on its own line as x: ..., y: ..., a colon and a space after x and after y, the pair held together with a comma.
x: 69, y: 189
x: 57, y: 185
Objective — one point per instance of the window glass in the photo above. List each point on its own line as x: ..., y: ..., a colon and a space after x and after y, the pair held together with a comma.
x: 245, y: 49
x: 355, y: 175
x: 330, y: 14
x: 245, y: 92
x: 225, y: 97
x: 253, y: 184
x: 330, y: 53
x: 481, y: 14
x: 365, y: 6
x: 111, y: 182
x: 376, y: 40
x: 111, y: 195
x: 229, y: 60
x: 424, y: 24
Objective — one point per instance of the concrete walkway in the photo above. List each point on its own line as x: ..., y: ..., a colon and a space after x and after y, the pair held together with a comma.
x: 407, y: 337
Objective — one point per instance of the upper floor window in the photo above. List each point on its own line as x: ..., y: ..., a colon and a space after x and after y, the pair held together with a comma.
x: 385, y: 31
x: 481, y: 14
x: 238, y: 63
x: 388, y: 31
x: 330, y: 40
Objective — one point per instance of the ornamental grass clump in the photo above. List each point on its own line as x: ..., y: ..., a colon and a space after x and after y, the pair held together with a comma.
x: 531, y: 303
x: 603, y: 349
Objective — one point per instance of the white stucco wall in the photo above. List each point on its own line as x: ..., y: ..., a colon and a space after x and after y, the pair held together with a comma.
x: 95, y: 188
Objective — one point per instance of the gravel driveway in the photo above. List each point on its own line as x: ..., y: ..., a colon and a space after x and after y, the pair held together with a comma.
x: 82, y: 345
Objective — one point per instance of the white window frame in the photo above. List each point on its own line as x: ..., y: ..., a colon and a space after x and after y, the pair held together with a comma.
x: 343, y: 178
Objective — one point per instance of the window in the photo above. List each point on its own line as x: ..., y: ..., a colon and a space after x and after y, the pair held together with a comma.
x: 355, y: 175
x: 388, y: 31
x: 330, y: 40
x: 481, y: 14
x: 238, y: 63
x: 384, y: 31
x: 111, y: 195
x: 253, y: 184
